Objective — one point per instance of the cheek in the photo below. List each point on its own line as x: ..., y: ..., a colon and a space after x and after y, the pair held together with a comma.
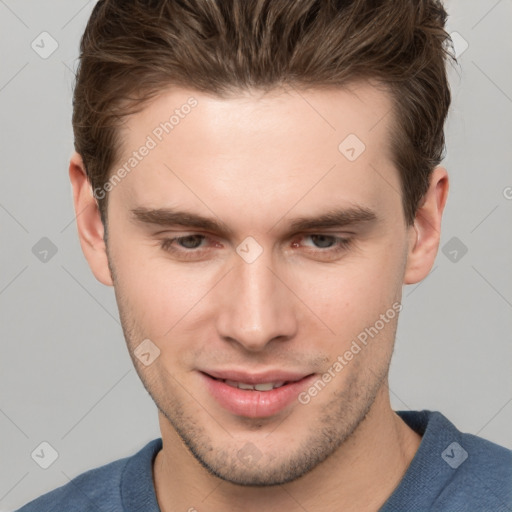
x: 354, y: 290
x: 157, y: 293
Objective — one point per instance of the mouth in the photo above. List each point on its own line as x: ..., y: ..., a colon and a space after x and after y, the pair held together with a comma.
x: 264, y: 386
x: 255, y: 395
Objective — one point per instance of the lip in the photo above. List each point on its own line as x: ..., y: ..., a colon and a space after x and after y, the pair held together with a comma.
x: 256, y: 378
x: 252, y: 403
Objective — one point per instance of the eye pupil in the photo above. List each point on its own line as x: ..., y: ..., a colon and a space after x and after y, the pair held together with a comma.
x: 196, y: 241
x: 322, y: 241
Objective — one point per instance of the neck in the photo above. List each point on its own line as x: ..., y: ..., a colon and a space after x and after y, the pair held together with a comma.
x: 359, y: 476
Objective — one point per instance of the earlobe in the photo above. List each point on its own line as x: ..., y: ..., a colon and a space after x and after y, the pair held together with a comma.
x: 426, y: 232
x: 89, y: 225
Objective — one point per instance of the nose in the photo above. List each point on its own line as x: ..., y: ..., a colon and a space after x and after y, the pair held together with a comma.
x: 256, y: 307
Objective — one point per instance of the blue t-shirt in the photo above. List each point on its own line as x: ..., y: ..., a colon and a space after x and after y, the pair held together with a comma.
x: 450, y: 472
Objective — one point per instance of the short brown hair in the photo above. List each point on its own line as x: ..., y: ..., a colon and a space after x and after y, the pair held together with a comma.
x: 133, y: 49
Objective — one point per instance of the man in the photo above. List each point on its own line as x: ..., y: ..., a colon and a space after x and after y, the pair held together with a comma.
x: 257, y: 180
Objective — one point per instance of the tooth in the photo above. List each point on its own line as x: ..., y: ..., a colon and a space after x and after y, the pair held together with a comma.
x: 264, y: 387
x: 243, y: 385
x: 267, y: 386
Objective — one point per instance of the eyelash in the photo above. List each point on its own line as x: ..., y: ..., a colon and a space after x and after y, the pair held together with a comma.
x: 167, y: 245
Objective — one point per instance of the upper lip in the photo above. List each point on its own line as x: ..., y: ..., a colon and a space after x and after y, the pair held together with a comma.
x: 256, y: 378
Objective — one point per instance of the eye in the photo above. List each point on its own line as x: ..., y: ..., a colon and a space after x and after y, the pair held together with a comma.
x: 323, y: 241
x: 189, y: 243
x: 195, y: 245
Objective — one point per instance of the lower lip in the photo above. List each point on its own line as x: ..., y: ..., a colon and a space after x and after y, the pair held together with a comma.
x: 255, y: 404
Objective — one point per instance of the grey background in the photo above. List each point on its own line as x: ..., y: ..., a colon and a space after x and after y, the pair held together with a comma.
x: 66, y: 377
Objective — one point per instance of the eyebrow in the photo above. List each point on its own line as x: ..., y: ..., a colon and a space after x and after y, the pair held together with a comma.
x: 333, y: 218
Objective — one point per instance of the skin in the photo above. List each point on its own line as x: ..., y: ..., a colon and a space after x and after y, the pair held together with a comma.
x: 256, y: 161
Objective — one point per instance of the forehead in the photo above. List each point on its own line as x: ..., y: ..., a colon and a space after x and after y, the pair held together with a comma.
x: 260, y: 150
x: 359, y: 108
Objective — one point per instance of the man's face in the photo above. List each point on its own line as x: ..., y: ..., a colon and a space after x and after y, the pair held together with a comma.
x: 262, y: 300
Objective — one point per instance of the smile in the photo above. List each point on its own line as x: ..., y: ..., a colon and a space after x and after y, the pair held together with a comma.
x: 267, y: 386
x: 255, y: 396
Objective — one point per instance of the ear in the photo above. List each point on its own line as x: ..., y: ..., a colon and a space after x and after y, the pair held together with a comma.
x: 425, y: 233
x: 89, y: 224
